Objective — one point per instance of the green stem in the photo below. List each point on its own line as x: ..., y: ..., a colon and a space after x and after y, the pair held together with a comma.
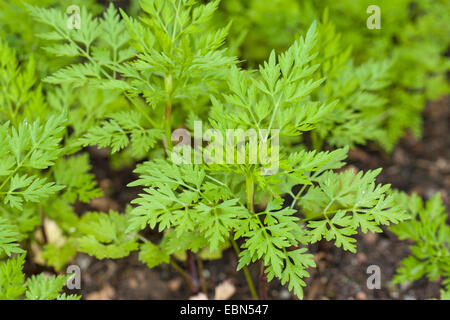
x: 168, y: 112
x: 248, y: 277
x: 317, y: 141
x: 250, y: 192
x: 44, y: 232
x: 167, y: 125
x: 141, y: 106
x: 250, y: 187
x: 183, y: 273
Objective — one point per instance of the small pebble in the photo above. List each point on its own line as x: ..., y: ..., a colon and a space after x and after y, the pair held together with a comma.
x: 133, y: 283
x: 174, y: 284
x: 285, y: 295
x: 83, y: 262
x: 199, y: 296
x: 405, y: 286
x: 370, y: 238
x: 361, y: 296
x: 361, y: 257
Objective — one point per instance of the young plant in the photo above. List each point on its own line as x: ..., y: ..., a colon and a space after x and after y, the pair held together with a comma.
x: 13, y: 285
x: 245, y: 183
x: 31, y: 148
x: 22, y: 36
x: 412, y: 39
x: 21, y: 95
x: 175, y: 62
x: 38, y: 184
x: 165, y: 60
x: 204, y: 205
x: 427, y: 228
x: 358, y: 90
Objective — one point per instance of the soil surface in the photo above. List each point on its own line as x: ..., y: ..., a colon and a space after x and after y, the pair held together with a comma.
x: 421, y: 166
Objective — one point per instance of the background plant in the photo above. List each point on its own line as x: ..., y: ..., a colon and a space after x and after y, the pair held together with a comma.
x: 428, y: 230
x: 125, y: 81
x: 412, y: 39
x: 191, y: 203
x: 37, y: 182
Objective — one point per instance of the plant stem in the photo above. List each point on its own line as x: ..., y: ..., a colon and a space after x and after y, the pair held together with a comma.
x: 183, y: 274
x: 200, y: 274
x: 168, y: 112
x: 44, y: 232
x: 192, y: 269
x: 250, y: 192
x: 251, y: 208
x: 167, y: 125
x: 174, y: 265
x: 248, y: 277
x: 262, y: 282
x: 317, y: 141
x: 141, y: 106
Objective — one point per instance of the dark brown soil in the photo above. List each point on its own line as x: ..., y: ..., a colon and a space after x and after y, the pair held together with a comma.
x: 421, y: 166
